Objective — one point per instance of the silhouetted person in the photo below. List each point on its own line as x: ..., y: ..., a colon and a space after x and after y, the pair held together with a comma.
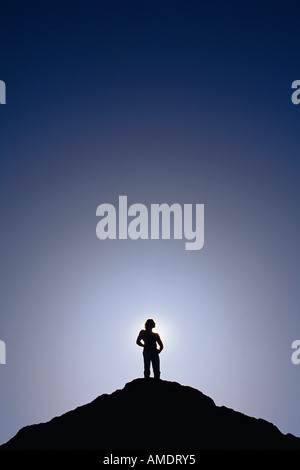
x: 149, y: 340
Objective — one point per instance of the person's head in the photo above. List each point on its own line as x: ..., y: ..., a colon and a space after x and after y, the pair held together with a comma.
x: 149, y: 324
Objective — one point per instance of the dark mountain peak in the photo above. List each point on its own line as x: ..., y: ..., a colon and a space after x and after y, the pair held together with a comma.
x: 152, y: 414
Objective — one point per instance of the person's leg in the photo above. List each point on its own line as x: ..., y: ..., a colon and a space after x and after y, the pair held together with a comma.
x: 146, y: 364
x: 155, y: 365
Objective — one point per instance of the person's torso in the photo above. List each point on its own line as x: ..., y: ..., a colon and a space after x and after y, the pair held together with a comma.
x: 149, y: 339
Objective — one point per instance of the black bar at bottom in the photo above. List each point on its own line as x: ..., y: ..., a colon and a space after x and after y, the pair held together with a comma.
x: 142, y: 459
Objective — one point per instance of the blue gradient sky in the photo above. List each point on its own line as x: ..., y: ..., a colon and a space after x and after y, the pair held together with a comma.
x: 163, y: 101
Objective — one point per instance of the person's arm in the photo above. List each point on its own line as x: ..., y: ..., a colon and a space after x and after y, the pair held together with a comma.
x: 140, y: 339
x: 161, y: 346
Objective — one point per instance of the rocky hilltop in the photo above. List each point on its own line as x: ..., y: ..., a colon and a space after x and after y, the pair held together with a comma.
x: 152, y: 414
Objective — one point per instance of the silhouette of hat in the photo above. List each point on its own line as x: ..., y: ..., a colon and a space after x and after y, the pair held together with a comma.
x: 149, y: 323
